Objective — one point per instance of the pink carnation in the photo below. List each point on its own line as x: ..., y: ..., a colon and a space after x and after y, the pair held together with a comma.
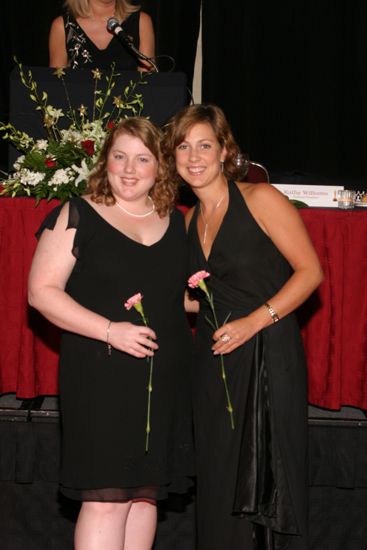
x: 133, y: 301
x: 195, y: 279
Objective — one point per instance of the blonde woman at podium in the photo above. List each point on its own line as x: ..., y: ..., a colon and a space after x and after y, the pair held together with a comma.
x: 80, y: 37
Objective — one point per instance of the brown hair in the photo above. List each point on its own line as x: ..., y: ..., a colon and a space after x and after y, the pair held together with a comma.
x: 81, y: 8
x: 163, y: 192
x: 178, y: 126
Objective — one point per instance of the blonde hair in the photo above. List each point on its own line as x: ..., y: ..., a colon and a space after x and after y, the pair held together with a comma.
x: 176, y: 130
x: 81, y: 8
x: 163, y: 192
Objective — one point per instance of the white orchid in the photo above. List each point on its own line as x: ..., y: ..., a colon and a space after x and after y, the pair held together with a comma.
x: 41, y: 145
x: 83, y: 172
x: 53, y: 114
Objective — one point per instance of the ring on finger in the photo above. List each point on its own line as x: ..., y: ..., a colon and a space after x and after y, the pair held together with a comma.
x: 225, y: 338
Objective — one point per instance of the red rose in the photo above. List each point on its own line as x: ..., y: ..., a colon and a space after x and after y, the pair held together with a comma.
x: 110, y: 125
x: 50, y: 163
x: 88, y: 146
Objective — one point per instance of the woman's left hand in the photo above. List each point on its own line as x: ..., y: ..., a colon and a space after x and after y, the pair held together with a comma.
x: 232, y: 335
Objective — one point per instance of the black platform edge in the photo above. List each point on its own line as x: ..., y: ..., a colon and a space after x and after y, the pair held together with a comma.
x: 338, y: 422
x: 14, y: 415
x: 40, y: 415
x: 44, y: 416
x: 29, y: 410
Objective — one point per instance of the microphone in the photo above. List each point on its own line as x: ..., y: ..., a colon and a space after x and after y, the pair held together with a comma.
x: 114, y: 26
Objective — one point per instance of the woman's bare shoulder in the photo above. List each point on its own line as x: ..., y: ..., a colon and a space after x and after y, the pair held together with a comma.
x: 145, y: 18
x: 262, y: 194
x: 57, y: 24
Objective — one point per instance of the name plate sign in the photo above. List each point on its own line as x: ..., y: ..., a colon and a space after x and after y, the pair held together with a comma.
x: 322, y: 196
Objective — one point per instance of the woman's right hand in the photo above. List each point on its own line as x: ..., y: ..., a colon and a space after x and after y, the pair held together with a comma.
x: 137, y: 340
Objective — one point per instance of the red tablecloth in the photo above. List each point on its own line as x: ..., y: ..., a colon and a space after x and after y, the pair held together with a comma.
x: 28, y: 343
x: 335, y: 317
x: 333, y: 320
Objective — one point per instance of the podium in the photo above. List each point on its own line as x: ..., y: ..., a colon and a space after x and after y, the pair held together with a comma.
x: 163, y: 95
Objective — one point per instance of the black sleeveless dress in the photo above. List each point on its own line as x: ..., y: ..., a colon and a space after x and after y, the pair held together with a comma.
x: 104, y: 398
x: 83, y: 53
x: 251, y: 489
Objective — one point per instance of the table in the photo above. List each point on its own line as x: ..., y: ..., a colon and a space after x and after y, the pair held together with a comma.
x: 28, y: 343
x: 333, y: 320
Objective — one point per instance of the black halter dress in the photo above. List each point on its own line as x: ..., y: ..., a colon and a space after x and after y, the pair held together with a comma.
x: 252, y: 480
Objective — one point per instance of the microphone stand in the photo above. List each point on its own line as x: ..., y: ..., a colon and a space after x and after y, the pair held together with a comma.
x: 144, y: 57
x: 114, y: 26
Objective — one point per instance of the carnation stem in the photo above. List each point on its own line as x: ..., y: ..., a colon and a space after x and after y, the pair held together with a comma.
x: 229, y: 407
x: 150, y: 389
x: 229, y: 403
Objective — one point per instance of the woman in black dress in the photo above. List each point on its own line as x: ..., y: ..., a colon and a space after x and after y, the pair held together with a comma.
x: 94, y: 253
x: 252, y: 477
x: 80, y: 39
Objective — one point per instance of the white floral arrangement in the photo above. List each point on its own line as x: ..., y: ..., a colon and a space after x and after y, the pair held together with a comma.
x: 59, y: 166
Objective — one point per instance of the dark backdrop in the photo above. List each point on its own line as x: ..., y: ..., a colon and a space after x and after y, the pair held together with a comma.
x: 291, y: 76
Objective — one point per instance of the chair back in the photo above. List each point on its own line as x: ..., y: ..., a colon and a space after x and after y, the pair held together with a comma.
x: 256, y: 173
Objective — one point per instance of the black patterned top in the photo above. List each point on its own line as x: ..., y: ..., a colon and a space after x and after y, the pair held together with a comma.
x: 82, y: 52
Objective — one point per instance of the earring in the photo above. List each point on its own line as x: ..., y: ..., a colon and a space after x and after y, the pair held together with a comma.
x: 222, y: 165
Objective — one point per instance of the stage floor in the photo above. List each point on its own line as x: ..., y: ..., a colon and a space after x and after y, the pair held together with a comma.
x: 35, y: 516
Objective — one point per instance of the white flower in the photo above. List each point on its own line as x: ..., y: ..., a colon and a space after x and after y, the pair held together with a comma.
x: 89, y: 130
x: 63, y: 175
x: 83, y: 170
x: 18, y: 163
x: 71, y: 134
x: 94, y: 130
x: 53, y: 113
x: 28, y: 177
x: 41, y: 144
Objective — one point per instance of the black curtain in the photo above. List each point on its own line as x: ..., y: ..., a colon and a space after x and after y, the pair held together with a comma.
x: 25, y: 26
x: 292, y: 79
x: 176, y: 24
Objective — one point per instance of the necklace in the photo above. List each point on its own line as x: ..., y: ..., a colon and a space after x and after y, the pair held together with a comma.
x: 206, y: 221
x: 138, y: 215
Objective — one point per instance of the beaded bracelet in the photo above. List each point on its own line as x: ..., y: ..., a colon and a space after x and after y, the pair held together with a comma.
x: 273, y: 313
x: 109, y: 347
